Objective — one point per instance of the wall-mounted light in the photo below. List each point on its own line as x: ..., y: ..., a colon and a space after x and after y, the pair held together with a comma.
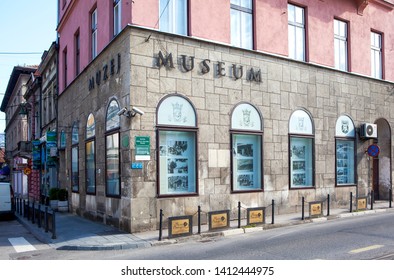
x: 24, y: 108
x: 130, y: 113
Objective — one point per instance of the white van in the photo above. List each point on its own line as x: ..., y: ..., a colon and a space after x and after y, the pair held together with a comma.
x: 6, y: 197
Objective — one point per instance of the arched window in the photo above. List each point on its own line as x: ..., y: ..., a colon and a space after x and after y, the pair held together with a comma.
x: 90, y: 158
x: 247, y: 148
x: 74, y: 158
x: 177, y: 153
x: 112, y: 150
x: 301, y: 147
x: 345, y: 139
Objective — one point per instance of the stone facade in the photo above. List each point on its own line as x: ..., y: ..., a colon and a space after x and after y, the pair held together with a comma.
x: 285, y: 86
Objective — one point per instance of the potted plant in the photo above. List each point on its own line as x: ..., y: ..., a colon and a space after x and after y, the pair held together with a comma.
x: 63, y: 200
x: 54, y: 198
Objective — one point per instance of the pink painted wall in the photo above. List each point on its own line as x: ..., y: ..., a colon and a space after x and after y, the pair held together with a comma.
x: 210, y: 20
x: 78, y: 18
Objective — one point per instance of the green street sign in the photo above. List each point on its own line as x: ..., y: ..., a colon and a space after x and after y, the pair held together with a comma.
x: 142, y: 148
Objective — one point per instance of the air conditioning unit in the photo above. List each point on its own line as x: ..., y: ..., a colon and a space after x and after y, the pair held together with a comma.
x: 369, y: 130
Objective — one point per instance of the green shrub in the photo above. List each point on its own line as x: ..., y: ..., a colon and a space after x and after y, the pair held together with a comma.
x: 63, y: 195
x: 54, y: 194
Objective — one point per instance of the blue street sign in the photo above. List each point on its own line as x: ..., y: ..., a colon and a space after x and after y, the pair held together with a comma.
x: 373, y: 150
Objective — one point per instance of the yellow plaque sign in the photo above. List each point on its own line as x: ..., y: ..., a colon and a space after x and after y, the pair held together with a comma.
x: 256, y: 216
x: 219, y: 219
x: 315, y: 209
x: 180, y: 226
x: 362, y: 203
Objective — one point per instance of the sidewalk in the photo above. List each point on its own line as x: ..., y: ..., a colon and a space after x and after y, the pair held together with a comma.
x: 76, y: 233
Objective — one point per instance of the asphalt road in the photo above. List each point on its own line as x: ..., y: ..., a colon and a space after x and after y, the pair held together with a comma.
x: 364, y: 237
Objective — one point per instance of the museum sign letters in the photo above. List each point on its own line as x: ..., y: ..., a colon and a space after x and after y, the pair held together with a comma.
x: 187, y: 64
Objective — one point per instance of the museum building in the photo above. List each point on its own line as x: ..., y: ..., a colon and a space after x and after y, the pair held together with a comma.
x: 189, y: 106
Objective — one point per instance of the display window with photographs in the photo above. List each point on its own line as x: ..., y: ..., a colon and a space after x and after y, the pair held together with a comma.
x: 301, y: 142
x: 177, y: 162
x: 90, y: 158
x: 75, y: 158
x: 246, y: 141
x: 301, y: 167
x: 345, y: 152
x: 176, y: 149
x: 112, y: 150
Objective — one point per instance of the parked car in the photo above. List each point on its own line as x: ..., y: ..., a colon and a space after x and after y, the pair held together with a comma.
x: 6, y: 200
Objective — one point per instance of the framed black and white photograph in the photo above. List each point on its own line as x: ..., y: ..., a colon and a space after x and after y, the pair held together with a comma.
x: 245, y: 150
x: 178, y: 184
x: 176, y: 148
x: 298, y: 151
x: 245, y: 180
x: 299, y: 179
x: 299, y: 165
x: 177, y: 165
x: 245, y: 165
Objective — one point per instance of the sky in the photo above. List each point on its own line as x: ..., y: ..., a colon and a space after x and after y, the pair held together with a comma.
x: 27, y: 29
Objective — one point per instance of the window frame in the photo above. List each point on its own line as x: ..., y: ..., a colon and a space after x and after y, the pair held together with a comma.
x: 90, y: 139
x: 77, y: 45
x: 75, y: 146
x: 117, y: 17
x: 344, y: 136
x: 110, y: 131
x: 341, y: 39
x: 242, y: 11
x: 377, y: 50
x: 294, y: 134
x: 93, y: 33
x: 304, y: 29
x: 163, y: 127
x: 249, y: 131
x: 173, y: 23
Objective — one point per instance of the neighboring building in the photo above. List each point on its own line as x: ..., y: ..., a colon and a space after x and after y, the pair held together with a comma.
x: 18, y: 147
x: 48, y: 121
x: 236, y: 101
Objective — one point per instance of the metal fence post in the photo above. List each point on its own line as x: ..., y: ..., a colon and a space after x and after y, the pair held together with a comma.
x: 39, y: 215
x: 199, y: 219
x: 239, y: 214
x: 328, y: 205
x: 46, y: 219
x: 390, y: 196
x: 53, y: 225
x: 273, y: 212
x: 161, y: 224
x: 33, y: 216
x: 372, y: 199
x: 303, y: 208
x: 351, y: 202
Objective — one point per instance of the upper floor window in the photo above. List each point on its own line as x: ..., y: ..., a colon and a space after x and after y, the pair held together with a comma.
x: 77, y: 53
x: 341, y: 45
x: 247, y: 148
x: 296, y: 18
x: 117, y: 16
x: 345, y: 139
x: 94, y: 33
x: 173, y: 16
x: 242, y: 23
x: 301, y: 141
x: 376, y: 55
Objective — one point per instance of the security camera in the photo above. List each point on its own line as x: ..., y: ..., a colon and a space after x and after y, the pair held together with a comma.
x: 138, y: 111
x: 122, y: 111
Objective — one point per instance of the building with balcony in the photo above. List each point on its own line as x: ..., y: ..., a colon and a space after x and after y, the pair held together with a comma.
x: 175, y: 104
x: 18, y: 141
